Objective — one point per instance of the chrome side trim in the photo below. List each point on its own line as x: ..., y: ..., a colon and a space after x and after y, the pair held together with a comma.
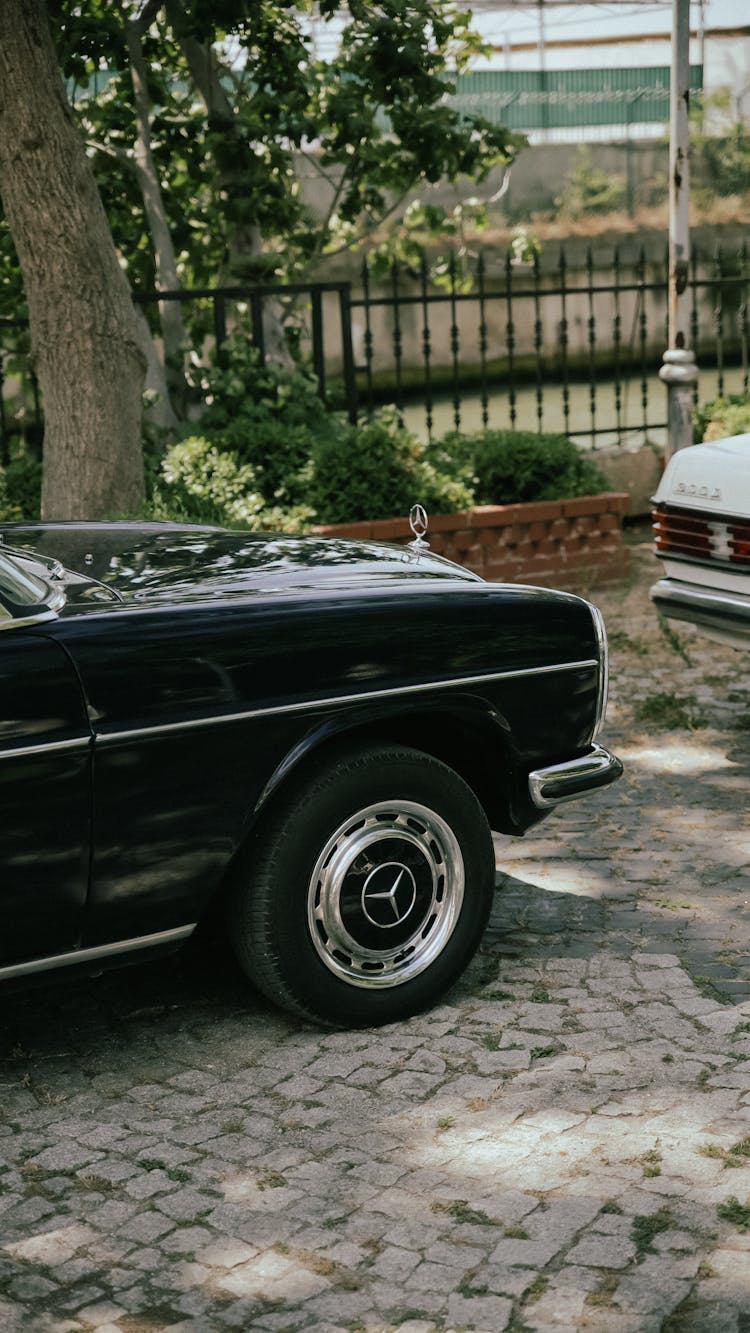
x: 80, y: 742
x: 99, y: 951
x: 573, y: 778
x: 23, y: 622
x: 603, y: 644
x: 102, y: 738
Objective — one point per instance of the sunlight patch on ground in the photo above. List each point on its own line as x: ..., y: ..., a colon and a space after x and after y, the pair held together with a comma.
x: 662, y: 1141
x: 687, y: 822
x: 677, y: 757
x: 576, y: 878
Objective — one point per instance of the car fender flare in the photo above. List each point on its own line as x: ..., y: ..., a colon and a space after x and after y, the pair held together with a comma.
x: 464, y: 713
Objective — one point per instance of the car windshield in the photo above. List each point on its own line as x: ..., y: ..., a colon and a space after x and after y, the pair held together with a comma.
x: 19, y: 587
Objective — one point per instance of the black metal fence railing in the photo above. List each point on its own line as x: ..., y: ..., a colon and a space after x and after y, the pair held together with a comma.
x: 571, y: 342
x: 570, y: 347
x: 244, y: 309
x: 319, y: 313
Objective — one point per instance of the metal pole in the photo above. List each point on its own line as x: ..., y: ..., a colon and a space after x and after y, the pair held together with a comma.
x: 679, y: 371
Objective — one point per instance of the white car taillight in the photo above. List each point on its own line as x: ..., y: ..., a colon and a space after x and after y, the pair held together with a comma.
x: 702, y: 536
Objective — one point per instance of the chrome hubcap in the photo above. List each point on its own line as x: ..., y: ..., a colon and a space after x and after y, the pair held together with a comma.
x: 385, y: 894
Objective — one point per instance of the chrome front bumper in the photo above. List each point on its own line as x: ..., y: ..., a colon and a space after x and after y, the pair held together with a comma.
x: 575, y: 777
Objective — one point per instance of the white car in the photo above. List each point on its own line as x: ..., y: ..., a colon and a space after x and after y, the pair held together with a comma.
x: 702, y: 534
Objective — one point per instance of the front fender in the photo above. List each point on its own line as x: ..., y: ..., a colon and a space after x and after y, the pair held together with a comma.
x: 466, y: 731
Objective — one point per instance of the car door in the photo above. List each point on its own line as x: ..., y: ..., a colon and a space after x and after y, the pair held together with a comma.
x: 45, y: 761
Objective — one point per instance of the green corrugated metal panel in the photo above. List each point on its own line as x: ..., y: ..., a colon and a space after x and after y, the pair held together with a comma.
x: 534, y: 99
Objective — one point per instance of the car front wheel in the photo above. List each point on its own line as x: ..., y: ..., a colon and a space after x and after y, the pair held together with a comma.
x: 367, y: 894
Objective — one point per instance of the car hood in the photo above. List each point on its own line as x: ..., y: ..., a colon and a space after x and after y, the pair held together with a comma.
x: 714, y: 476
x: 161, y: 562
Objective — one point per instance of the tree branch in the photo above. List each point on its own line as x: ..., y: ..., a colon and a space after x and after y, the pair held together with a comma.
x: 338, y: 191
x: 148, y: 14
x: 167, y: 277
x: 368, y: 231
x: 311, y: 158
x: 201, y: 65
x: 110, y: 150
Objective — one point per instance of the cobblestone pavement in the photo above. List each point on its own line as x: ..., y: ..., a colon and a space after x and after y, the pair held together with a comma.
x: 563, y: 1144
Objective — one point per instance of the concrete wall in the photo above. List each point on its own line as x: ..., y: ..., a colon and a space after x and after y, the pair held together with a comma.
x: 537, y: 178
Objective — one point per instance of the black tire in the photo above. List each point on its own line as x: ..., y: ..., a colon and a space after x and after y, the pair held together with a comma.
x: 366, y: 895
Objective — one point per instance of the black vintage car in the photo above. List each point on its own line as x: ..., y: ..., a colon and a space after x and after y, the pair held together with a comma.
x: 316, y: 734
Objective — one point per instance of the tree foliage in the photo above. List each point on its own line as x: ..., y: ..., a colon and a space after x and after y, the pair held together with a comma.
x: 201, y: 118
x: 719, y: 145
x: 240, y: 106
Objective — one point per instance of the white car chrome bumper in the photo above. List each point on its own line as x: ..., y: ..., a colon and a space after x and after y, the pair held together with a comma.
x: 721, y: 615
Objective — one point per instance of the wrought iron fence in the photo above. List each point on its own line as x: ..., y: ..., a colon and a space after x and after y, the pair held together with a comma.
x: 563, y: 347
x: 572, y: 342
x: 320, y: 312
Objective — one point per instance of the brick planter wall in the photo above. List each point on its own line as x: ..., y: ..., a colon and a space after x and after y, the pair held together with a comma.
x: 571, y: 544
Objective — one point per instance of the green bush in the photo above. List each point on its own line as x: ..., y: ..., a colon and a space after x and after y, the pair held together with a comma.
x: 587, y: 189
x: 268, y: 416
x: 722, y: 417
x: 515, y: 466
x: 378, y: 471
x: 200, y: 484
x: 9, y: 513
x: 719, y: 147
x: 269, y: 453
x: 208, y: 486
x: 723, y: 165
x: 20, y: 488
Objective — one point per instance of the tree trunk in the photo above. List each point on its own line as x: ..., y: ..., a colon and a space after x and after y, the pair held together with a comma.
x: 159, y: 412
x: 83, y: 329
